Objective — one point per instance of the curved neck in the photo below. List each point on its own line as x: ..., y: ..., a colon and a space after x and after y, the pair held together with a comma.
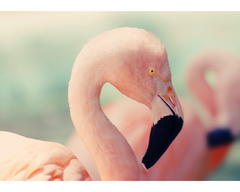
x: 110, y: 150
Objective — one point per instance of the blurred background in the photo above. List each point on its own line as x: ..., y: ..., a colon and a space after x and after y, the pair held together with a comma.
x: 38, y: 49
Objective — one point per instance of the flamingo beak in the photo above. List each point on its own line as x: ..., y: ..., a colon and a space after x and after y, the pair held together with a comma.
x: 167, y: 118
x: 220, y: 136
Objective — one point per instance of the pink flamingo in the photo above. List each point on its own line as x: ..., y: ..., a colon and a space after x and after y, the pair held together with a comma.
x: 222, y: 101
x: 136, y: 63
x: 197, y: 150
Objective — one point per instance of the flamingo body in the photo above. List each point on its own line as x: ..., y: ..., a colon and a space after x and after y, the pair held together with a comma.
x: 181, y: 160
x: 26, y: 159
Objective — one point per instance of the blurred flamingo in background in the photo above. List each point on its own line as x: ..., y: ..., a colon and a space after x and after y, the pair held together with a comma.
x: 133, y: 121
x: 136, y: 63
x: 199, y: 148
x: 222, y: 100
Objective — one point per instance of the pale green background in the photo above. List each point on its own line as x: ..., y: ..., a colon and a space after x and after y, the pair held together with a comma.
x: 38, y: 49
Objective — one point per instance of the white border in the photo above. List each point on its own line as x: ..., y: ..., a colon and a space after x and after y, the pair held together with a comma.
x: 123, y: 5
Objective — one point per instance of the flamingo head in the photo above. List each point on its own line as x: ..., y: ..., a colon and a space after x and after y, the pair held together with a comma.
x: 142, y: 73
x: 135, y: 62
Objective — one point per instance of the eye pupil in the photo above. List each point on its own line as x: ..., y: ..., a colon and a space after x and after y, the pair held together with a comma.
x: 151, y: 71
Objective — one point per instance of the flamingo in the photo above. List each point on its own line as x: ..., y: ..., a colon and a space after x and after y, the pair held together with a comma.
x: 136, y: 63
x: 222, y: 100
x: 196, y: 152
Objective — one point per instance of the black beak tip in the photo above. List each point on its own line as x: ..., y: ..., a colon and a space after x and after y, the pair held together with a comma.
x: 161, y: 136
x: 219, y: 136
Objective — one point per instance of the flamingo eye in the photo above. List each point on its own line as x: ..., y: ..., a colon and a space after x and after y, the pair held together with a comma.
x: 151, y: 71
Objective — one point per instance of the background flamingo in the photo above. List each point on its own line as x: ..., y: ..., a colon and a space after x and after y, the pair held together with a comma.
x: 143, y: 74
x: 222, y: 99
x: 189, y: 157
x: 133, y: 121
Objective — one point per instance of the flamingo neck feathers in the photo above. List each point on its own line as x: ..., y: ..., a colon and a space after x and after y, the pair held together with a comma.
x: 110, y: 150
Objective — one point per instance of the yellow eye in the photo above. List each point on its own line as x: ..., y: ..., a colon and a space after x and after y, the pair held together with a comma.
x: 151, y: 71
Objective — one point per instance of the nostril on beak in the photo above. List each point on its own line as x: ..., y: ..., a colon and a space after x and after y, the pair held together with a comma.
x: 172, y: 102
x: 163, y: 99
